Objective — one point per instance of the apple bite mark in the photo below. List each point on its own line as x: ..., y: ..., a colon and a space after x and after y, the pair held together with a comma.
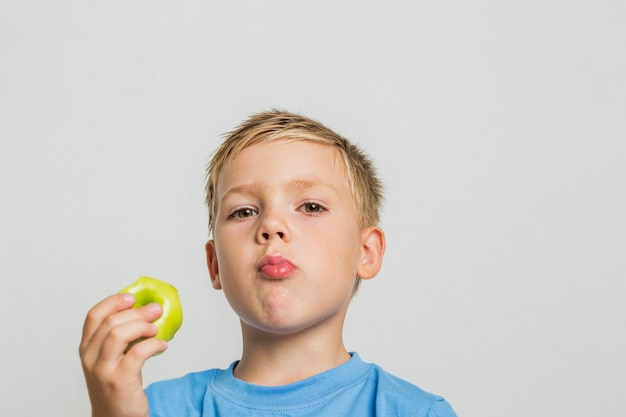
x: 151, y: 290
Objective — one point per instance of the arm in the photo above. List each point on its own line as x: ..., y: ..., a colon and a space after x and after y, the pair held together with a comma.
x: 113, y: 372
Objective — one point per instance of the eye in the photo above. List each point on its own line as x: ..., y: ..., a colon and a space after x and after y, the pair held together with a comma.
x: 243, y: 213
x: 312, y: 208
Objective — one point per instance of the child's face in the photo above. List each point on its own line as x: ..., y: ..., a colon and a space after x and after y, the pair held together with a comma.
x: 287, y: 245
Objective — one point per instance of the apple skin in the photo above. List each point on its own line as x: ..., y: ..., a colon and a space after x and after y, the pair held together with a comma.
x: 151, y: 290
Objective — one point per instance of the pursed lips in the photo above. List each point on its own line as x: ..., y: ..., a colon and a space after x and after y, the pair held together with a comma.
x: 275, y: 267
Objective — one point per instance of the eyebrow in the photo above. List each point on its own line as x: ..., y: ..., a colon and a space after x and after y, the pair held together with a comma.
x: 294, y: 185
x: 246, y: 189
x: 304, y: 184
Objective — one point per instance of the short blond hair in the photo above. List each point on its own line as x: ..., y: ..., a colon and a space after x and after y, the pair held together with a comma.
x: 280, y: 125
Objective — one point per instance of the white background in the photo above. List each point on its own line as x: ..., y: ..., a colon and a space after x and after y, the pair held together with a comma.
x: 498, y: 128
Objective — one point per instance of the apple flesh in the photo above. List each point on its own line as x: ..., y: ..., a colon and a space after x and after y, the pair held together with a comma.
x: 151, y: 290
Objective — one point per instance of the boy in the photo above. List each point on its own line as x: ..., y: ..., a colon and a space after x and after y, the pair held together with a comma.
x: 293, y: 209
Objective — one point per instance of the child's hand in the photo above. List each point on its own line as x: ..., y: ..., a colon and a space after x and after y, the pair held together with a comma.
x: 112, y: 372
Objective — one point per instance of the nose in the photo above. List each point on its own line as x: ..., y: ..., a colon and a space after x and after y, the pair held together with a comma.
x: 272, y: 226
x: 266, y: 235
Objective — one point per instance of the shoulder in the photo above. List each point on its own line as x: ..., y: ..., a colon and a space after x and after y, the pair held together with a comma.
x: 184, y: 394
x: 404, y: 398
x: 190, y: 382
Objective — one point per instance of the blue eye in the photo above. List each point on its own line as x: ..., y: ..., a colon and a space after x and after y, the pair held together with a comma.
x: 242, y: 213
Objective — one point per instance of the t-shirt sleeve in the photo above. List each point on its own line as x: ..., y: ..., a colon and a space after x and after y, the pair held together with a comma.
x: 441, y: 408
x: 178, y: 397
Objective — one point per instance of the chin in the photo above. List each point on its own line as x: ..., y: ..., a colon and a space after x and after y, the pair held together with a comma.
x: 278, y: 326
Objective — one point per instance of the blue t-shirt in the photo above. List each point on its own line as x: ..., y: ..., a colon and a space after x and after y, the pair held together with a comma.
x: 354, y: 388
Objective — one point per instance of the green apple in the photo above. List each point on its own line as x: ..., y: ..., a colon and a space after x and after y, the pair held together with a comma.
x: 151, y: 290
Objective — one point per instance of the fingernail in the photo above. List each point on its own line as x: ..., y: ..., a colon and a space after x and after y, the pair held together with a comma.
x: 129, y: 297
x: 154, y: 307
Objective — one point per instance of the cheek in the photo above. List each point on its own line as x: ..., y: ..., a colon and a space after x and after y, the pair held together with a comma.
x: 231, y: 275
x: 229, y: 262
x: 224, y: 259
x: 342, y: 254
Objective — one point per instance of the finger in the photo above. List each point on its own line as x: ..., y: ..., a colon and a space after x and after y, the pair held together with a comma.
x: 140, y: 352
x: 116, y: 343
x: 142, y: 315
x: 101, y: 311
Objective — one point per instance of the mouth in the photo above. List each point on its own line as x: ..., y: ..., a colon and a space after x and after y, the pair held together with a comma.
x: 275, y: 267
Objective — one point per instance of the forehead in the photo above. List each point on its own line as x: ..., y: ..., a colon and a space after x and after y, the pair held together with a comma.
x: 284, y: 160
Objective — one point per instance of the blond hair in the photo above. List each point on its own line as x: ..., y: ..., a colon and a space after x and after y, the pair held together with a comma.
x: 275, y: 125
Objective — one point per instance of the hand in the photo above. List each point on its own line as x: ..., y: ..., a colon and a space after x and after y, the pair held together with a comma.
x: 112, y: 368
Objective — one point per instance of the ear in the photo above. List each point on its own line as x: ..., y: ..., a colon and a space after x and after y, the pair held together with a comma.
x: 372, y: 251
x: 211, y: 261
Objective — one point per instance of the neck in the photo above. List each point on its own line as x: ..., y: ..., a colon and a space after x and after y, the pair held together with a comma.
x: 278, y: 359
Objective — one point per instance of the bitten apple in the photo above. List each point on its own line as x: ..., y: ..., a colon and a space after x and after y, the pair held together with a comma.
x: 151, y: 290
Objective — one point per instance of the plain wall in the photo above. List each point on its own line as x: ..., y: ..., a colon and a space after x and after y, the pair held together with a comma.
x: 498, y: 127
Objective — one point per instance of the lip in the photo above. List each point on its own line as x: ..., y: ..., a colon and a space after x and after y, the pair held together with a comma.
x: 275, y: 267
